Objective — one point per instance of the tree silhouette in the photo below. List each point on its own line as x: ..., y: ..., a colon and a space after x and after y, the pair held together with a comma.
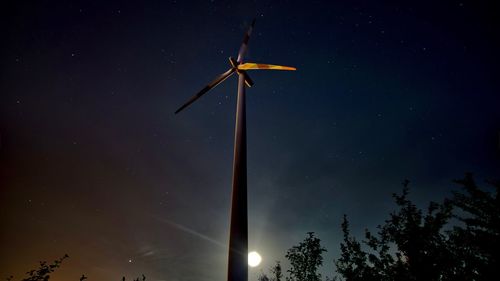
x: 263, y: 277
x: 305, y: 259
x: 276, y: 271
x: 476, y: 244
x: 410, y: 245
x: 44, y: 271
x: 418, y: 245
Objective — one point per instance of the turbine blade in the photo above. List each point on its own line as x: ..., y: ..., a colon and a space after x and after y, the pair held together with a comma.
x: 248, y: 81
x: 251, y: 65
x: 207, y: 88
x: 244, y: 45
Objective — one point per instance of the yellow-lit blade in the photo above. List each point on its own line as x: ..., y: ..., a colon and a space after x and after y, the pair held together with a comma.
x: 251, y: 65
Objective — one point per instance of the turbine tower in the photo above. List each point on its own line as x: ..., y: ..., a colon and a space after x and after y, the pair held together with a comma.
x: 238, y: 236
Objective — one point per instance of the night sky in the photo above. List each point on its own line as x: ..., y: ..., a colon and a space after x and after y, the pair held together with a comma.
x: 94, y: 163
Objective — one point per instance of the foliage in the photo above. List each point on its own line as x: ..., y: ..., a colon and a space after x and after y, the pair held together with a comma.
x: 456, y: 239
x: 44, y: 271
x: 276, y: 271
x: 412, y: 245
x: 305, y: 259
x: 277, y: 275
x: 409, y: 246
x: 263, y: 277
x: 143, y: 278
x: 477, y: 244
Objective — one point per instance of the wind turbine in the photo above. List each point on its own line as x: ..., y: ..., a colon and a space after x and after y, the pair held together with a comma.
x: 238, y: 236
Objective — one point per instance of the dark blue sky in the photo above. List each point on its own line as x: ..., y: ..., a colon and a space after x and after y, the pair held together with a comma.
x: 94, y: 163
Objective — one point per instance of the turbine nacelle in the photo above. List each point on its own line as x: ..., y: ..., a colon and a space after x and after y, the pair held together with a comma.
x: 233, y: 62
x: 234, y: 66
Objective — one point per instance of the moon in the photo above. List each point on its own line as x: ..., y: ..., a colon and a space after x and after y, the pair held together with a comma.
x: 254, y: 259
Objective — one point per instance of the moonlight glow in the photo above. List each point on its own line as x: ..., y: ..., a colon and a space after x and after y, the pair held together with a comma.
x: 254, y: 259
